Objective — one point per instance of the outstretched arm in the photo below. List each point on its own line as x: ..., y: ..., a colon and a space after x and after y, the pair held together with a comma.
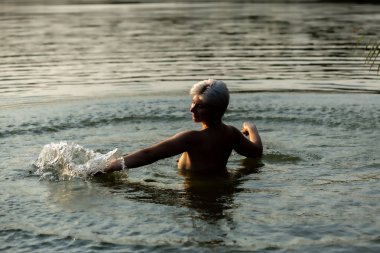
x: 249, y: 148
x: 170, y: 147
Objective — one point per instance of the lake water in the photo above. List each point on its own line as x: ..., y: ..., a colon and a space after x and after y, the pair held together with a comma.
x: 101, y: 77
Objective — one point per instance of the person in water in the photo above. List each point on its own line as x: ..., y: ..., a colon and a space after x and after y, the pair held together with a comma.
x: 206, y: 150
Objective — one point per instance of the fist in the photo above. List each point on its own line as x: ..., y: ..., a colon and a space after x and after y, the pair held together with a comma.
x: 246, y: 127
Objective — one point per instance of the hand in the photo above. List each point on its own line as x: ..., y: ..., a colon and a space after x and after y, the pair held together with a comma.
x: 115, y: 165
x: 247, y: 126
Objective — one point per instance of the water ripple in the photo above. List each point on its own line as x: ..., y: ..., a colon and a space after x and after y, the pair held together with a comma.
x: 125, y: 44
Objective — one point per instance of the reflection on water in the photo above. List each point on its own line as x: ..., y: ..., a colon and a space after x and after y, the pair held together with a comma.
x: 209, y: 195
x: 81, y: 50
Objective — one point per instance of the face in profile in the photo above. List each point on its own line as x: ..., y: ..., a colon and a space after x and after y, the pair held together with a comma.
x: 199, y: 110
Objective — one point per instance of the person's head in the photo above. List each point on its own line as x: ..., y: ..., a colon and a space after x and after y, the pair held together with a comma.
x: 213, y: 95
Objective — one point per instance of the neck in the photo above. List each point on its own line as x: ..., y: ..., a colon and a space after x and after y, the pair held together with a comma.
x: 211, y: 124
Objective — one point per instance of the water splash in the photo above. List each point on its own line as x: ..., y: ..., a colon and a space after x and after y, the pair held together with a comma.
x: 64, y: 161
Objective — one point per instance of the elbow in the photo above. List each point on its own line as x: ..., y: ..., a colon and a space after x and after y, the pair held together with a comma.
x: 259, y: 149
x: 257, y: 152
x: 260, y: 152
x: 252, y: 151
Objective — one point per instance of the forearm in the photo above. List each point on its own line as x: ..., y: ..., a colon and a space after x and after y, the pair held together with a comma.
x: 136, y: 159
x: 254, y: 136
x: 139, y: 158
x: 251, y: 131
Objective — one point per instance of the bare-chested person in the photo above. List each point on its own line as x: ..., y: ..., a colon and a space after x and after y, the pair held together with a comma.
x: 208, y: 149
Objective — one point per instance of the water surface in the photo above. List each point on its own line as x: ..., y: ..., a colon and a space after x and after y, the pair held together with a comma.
x: 109, y: 76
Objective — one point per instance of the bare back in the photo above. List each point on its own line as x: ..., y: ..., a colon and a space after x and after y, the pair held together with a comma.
x: 209, y: 149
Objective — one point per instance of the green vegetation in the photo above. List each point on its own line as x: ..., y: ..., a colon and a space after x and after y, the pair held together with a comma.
x: 371, y: 49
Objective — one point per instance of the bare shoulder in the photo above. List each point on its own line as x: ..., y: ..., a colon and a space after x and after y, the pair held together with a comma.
x: 234, y: 131
x: 232, y: 134
x: 176, y: 144
x: 237, y: 136
x: 187, y: 136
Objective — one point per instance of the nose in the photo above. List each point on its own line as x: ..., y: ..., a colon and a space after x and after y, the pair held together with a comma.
x: 193, y: 107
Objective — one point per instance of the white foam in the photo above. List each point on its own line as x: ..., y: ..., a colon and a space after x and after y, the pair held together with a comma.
x: 63, y: 161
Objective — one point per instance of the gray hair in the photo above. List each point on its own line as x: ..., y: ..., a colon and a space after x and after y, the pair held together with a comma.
x: 213, y: 92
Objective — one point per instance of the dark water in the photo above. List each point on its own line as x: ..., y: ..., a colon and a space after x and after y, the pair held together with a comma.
x: 109, y: 76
